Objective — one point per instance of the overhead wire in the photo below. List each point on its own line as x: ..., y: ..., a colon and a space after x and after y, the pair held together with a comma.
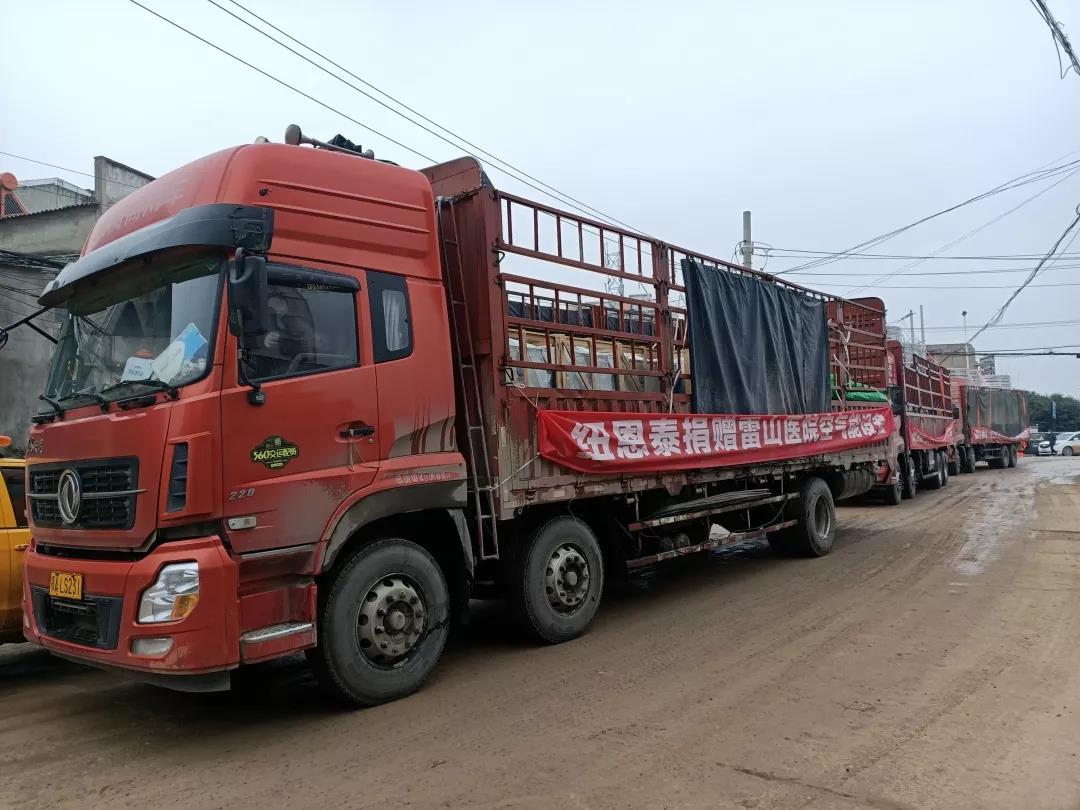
x: 1042, y: 173
x: 994, y: 220
x: 996, y: 319
x: 504, y: 166
x: 318, y: 101
x: 63, y: 168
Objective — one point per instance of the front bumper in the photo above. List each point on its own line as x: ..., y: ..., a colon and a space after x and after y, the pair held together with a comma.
x: 99, y: 629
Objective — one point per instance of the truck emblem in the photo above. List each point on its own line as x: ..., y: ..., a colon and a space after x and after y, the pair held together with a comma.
x: 69, y: 496
x: 35, y: 446
x: 274, y: 452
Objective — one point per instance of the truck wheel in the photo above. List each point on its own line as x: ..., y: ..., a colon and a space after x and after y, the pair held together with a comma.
x: 966, y: 464
x: 943, y: 467
x: 954, y: 464
x: 893, y: 494
x: 907, y: 478
x: 815, y: 531
x: 998, y: 462
x: 971, y: 458
x: 383, y: 625
x: 559, y: 579
x: 1013, y: 456
x: 934, y: 481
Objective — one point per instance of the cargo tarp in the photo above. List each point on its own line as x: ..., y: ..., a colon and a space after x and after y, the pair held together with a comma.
x: 755, y: 347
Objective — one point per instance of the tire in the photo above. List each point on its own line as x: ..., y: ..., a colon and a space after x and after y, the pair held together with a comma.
x: 1067, y: 451
x: 908, y: 479
x: 967, y: 465
x: 943, y: 467
x: 384, y: 576
x: 954, y: 463
x: 934, y: 481
x: 815, y: 531
x: 1013, y: 456
x: 892, y: 495
x: 971, y: 458
x: 999, y: 462
x: 547, y: 595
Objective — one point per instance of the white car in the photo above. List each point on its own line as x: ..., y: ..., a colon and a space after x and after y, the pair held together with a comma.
x: 1067, y: 444
x: 1039, y: 444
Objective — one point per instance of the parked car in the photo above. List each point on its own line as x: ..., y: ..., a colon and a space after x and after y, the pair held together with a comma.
x: 14, y: 539
x: 1068, y: 444
x: 1039, y: 444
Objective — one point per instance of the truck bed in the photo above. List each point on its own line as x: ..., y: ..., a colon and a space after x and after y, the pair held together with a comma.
x: 568, y: 313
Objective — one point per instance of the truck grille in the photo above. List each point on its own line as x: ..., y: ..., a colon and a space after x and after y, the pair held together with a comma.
x: 107, y: 488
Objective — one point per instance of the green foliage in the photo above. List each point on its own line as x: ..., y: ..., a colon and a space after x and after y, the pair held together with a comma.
x: 1068, y: 412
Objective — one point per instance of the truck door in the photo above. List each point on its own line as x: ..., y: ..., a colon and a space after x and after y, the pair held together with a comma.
x: 291, y: 461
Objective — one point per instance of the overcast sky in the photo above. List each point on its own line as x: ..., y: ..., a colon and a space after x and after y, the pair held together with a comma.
x: 833, y: 121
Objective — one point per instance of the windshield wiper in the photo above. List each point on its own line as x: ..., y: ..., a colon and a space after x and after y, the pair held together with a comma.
x: 156, y: 385
x: 98, y: 398
x: 58, y: 411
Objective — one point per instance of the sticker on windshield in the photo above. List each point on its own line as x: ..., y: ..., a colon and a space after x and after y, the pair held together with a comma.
x: 137, y: 368
x: 274, y: 452
x: 185, y: 356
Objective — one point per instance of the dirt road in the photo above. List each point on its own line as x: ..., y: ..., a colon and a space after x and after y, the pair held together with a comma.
x: 932, y: 660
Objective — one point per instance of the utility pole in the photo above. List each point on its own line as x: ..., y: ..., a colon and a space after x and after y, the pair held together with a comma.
x: 911, y: 318
x: 922, y: 327
x: 964, y: 316
x: 747, y: 242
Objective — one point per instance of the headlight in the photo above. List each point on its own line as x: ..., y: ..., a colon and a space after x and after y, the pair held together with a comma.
x: 173, y: 596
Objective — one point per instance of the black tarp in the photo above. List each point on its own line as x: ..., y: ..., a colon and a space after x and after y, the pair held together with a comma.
x: 1000, y: 409
x: 755, y: 347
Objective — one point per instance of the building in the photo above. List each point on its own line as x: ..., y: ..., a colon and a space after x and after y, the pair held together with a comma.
x: 43, y: 225
x: 953, y: 355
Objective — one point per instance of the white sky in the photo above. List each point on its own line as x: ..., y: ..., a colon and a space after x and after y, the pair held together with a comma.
x: 833, y: 121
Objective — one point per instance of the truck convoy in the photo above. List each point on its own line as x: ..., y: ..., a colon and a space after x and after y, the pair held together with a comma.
x: 307, y: 400
x: 921, y: 393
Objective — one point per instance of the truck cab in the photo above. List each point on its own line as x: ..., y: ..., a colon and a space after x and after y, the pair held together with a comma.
x: 253, y: 376
x: 14, y: 540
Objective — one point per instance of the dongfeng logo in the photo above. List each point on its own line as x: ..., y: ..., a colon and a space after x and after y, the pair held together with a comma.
x: 69, y: 496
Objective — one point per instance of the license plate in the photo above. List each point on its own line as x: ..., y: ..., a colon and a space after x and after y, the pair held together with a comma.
x: 66, y: 586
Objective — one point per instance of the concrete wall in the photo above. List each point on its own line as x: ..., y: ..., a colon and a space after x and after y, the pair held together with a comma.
x: 24, y: 362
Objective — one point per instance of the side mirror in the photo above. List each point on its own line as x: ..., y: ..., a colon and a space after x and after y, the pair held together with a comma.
x: 248, y: 308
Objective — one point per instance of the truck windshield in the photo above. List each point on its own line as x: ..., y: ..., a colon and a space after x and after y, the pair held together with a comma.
x: 150, y: 330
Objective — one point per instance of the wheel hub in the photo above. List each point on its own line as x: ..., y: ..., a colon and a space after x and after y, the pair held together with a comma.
x: 566, y: 578
x: 391, y: 621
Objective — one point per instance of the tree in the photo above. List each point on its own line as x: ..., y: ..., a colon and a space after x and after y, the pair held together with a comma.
x: 1068, y: 412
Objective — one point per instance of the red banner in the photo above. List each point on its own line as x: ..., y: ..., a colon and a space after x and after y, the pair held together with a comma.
x: 602, y: 441
x: 924, y: 440
x: 986, y: 435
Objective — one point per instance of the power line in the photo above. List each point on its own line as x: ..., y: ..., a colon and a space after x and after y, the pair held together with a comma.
x: 313, y: 98
x: 1041, y: 173
x: 1032, y: 325
x: 775, y: 252
x: 64, y: 168
x: 996, y: 319
x: 944, y: 286
x: 995, y: 271
x: 1058, y: 37
x: 510, y: 170
x: 972, y: 232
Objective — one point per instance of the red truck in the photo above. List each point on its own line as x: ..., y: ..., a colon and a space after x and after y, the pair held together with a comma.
x: 992, y: 424
x: 921, y: 393
x: 306, y: 400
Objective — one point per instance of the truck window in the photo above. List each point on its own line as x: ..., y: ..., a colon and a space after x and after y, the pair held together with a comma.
x: 391, y: 325
x: 15, y: 482
x: 311, y: 330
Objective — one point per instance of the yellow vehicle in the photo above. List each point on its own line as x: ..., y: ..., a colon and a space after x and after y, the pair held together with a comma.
x: 14, y: 539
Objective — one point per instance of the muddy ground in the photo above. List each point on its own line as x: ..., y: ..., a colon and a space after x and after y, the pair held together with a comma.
x: 932, y: 660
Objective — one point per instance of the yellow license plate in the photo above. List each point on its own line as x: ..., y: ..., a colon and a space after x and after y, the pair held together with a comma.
x: 66, y: 586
